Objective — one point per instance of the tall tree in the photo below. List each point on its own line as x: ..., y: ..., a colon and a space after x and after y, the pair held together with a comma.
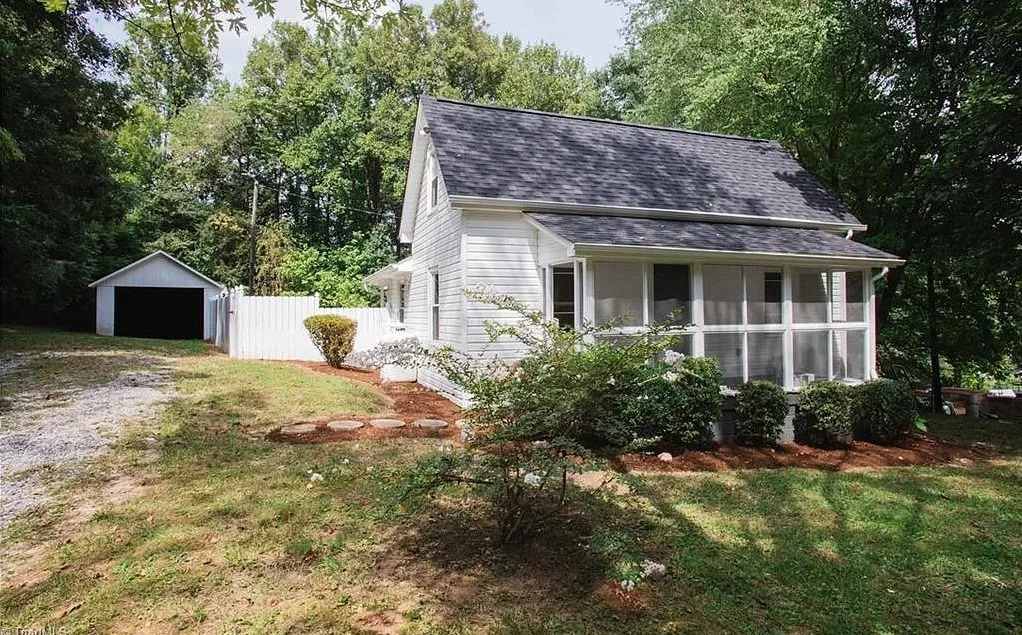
x: 59, y: 200
x: 908, y: 109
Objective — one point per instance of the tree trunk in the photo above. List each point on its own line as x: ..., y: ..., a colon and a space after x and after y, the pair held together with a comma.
x: 937, y: 396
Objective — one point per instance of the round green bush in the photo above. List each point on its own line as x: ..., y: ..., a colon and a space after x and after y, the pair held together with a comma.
x: 679, y: 404
x: 333, y: 335
x: 762, y: 406
x: 824, y: 415
x: 883, y: 410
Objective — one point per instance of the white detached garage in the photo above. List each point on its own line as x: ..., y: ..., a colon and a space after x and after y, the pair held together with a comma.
x: 156, y: 296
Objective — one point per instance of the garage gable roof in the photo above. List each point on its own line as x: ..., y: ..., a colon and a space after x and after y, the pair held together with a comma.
x: 105, y: 280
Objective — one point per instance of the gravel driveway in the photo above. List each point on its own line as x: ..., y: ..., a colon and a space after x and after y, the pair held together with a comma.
x: 41, y: 443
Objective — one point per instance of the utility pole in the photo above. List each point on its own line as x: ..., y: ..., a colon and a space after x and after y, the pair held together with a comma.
x: 252, y: 235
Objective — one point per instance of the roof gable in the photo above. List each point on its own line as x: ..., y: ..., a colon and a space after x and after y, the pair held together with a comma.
x: 499, y: 153
x: 110, y: 279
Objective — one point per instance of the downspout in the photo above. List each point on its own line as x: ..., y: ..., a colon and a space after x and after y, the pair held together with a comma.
x: 848, y: 234
x: 883, y: 272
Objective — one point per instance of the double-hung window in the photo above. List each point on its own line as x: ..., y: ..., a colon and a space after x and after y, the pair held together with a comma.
x: 434, y: 304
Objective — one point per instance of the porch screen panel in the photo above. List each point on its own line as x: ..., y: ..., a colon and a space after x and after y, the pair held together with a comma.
x: 849, y: 354
x: 763, y: 294
x: 766, y: 357
x: 722, y: 294
x: 810, y: 356
x: 727, y: 349
x: 672, y: 292
x: 809, y: 295
x: 617, y: 287
x: 848, y: 296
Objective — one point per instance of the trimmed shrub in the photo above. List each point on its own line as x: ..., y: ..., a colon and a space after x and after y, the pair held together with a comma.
x: 762, y: 406
x: 333, y: 335
x: 679, y: 404
x: 824, y: 416
x: 883, y: 410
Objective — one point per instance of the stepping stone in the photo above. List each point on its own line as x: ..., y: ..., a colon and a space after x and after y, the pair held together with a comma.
x: 387, y: 424
x: 298, y: 428
x: 434, y: 424
x: 345, y: 426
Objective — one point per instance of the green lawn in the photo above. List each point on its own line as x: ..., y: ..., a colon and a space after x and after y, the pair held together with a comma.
x: 24, y: 339
x: 228, y: 534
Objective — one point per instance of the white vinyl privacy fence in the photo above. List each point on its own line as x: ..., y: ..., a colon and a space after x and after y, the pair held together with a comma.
x: 271, y: 327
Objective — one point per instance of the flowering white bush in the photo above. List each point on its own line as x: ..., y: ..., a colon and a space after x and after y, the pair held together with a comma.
x: 672, y: 357
x: 671, y: 376
x: 727, y: 392
x: 535, y: 480
x: 403, y: 352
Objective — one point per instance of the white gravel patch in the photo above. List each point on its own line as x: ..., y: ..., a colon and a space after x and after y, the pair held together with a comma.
x: 37, y: 439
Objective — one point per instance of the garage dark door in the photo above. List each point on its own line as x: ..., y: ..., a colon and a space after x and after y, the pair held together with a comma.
x: 158, y: 312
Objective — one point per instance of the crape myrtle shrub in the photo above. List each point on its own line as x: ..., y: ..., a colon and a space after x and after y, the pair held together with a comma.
x: 333, y: 335
x: 824, y: 417
x: 762, y: 406
x: 883, y: 410
x: 534, y: 421
x: 678, y: 401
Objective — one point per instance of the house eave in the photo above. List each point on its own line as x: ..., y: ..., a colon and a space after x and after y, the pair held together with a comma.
x: 597, y: 250
x: 482, y: 203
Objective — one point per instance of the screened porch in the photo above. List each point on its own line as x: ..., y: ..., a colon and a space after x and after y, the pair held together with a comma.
x: 789, y: 324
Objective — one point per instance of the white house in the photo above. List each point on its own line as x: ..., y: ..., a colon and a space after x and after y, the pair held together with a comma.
x: 156, y: 296
x: 589, y: 220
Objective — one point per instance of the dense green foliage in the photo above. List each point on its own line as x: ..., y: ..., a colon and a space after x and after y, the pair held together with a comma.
x: 109, y: 153
x: 909, y: 111
x: 883, y: 410
x: 333, y: 335
x: 677, y: 403
x: 762, y: 406
x: 534, y: 421
x: 824, y: 414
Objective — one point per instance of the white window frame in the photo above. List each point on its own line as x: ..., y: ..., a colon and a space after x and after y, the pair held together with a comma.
x: 548, y: 288
x: 433, y: 294
x: 431, y: 178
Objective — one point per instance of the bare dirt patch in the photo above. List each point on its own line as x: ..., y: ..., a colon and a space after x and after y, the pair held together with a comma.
x: 915, y: 450
x: 61, y: 417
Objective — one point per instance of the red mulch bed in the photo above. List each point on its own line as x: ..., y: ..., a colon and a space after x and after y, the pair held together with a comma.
x: 411, y: 401
x: 915, y: 450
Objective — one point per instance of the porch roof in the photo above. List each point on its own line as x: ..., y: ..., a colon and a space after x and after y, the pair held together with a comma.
x: 592, y: 234
x: 401, y: 270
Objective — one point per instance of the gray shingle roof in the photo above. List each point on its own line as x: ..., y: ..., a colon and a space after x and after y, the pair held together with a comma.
x: 493, y: 152
x: 680, y: 234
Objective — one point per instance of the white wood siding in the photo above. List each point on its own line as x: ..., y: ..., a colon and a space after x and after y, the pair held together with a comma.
x: 501, y: 255
x: 105, y: 310
x: 437, y: 247
x: 550, y: 249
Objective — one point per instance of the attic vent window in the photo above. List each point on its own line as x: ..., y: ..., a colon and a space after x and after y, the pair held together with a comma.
x: 433, y: 189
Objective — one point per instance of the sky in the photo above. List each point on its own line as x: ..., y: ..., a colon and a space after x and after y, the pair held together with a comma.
x: 587, y: 28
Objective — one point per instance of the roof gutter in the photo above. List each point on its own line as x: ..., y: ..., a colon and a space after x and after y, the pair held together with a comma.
x: 482, y: 203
